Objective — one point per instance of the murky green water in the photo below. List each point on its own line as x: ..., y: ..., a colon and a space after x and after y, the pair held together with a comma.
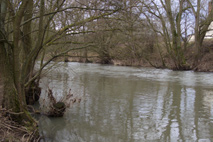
x: 126, y: 104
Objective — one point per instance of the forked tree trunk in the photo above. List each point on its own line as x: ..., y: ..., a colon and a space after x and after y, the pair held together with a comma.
x: 175, y: 27
x: 11, y: 67
x: 200, y: 28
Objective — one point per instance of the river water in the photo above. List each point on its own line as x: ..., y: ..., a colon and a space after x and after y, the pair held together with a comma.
x: 127, y: 104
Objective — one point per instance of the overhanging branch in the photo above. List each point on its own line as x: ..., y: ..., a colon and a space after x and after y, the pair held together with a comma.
x: 54, y: 57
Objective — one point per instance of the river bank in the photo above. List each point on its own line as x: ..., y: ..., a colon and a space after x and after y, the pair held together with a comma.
x: 204, y: 65
x: 157, y: 58
x: 11, y: 131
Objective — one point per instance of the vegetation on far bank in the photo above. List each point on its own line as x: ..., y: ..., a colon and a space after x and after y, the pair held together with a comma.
x: 153, y: 59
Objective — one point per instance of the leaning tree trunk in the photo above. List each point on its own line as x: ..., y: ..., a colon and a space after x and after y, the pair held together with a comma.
x: 11, y: 67
x: 10, y: 98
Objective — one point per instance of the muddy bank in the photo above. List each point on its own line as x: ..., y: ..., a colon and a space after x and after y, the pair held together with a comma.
x: 206, y: 64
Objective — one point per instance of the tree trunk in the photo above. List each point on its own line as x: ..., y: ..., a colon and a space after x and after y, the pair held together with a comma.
x: 197, y: 33
x: 11, y: 67
x: 10, y: 99
x: 200, y: 30
x: 28, y: 64
x: 176, y: 33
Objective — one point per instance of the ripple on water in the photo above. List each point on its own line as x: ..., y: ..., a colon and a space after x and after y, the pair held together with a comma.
x: 132, y: 104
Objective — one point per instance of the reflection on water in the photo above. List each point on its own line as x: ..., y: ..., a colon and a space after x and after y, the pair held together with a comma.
x: 125, y: 104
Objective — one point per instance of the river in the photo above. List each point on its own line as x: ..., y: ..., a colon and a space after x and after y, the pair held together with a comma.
x: 129, y: 104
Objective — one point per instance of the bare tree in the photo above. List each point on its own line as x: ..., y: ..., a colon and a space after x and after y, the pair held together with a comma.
x: 21, y: 44
x: 170, y: 16
x: 201, y: 25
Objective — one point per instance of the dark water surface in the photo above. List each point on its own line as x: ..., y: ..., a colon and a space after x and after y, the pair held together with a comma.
x: 127, y: 104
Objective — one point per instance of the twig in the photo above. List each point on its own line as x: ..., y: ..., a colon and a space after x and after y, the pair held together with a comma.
x: 6, y: 126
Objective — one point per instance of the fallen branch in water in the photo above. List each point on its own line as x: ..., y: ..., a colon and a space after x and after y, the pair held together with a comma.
x: 57, y: 108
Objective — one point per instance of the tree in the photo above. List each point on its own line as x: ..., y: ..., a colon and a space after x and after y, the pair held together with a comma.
x: 19, y: 52
x: 172, y: 20
x: 12, y: 55
x: 136, y: 36
x: 170, y: 29
x: 201, y: 25
x: 121, y: 36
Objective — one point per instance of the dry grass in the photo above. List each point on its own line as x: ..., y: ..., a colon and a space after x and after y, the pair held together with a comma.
x: 10, y: 131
